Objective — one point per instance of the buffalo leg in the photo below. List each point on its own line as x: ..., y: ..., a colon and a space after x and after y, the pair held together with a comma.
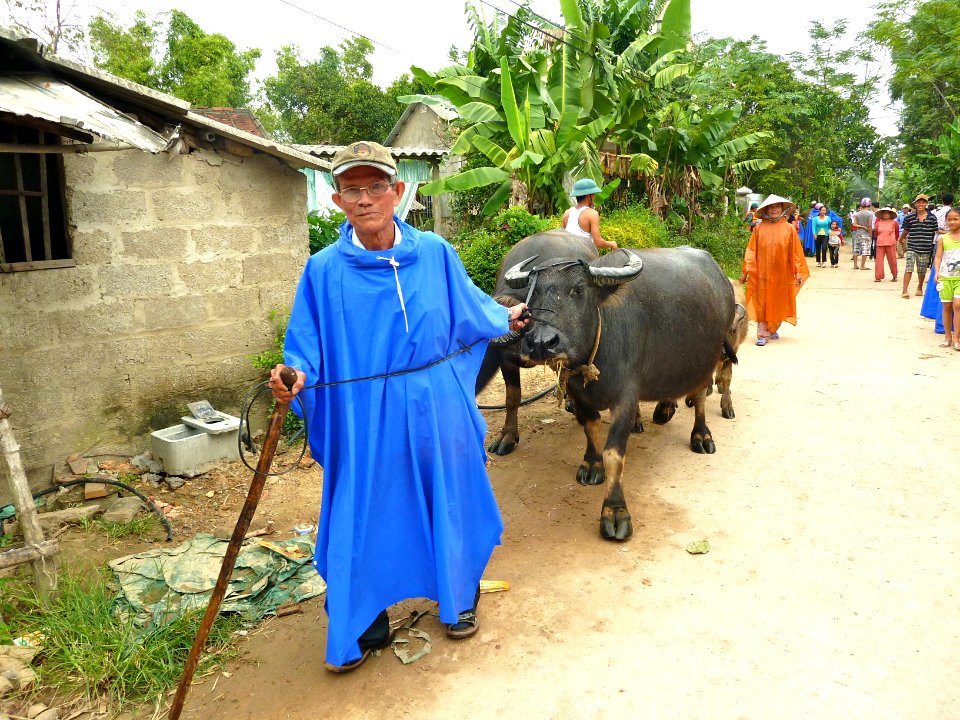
x: 591, y: 469
x: 724, y: 376
x: 701, y: 441
x: 664, y: 411
x: 510, y: 433
x: 638, y: 421
x: 615, y: 520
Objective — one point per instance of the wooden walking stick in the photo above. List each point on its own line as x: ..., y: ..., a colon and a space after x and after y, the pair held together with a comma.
x: 289, y: 377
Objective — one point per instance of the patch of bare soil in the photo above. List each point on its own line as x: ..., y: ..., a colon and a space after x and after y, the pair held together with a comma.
x: 830, y: 590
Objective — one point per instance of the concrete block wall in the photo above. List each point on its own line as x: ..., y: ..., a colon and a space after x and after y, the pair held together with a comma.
x: 180, y: 259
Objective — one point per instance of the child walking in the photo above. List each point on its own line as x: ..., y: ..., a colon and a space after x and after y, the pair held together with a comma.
x: 834, y: 242
x: 947, y: 278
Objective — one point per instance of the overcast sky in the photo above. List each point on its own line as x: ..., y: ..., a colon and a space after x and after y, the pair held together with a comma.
x: 420, y: 32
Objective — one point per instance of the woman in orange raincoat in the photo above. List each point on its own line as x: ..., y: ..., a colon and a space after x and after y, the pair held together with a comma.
x: 774, y: 269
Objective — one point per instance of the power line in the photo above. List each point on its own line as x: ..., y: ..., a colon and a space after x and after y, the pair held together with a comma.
x: 346, y: 29
x: 540, y: 29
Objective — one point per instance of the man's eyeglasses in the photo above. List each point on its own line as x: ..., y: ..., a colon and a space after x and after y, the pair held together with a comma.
x: 376, y: 189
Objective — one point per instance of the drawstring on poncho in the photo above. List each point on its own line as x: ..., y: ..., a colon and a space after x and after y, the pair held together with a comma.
x: 394, y: 264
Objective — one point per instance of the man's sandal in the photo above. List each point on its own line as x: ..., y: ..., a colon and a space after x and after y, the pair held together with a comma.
x: 354, y: 664
x: 467, y: 624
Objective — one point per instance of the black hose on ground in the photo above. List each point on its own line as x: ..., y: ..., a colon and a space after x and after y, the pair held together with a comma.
x: 83, y: 481
x: 529, y: 400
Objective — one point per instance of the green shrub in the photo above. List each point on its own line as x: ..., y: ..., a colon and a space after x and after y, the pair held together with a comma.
x: 515, y: 223
x: 725, y: 238
x: 324, y: 228
x: 481, y: 253
x: 269, y: 359
x: 635, y: 226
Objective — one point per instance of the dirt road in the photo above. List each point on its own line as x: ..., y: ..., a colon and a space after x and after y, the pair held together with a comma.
x: 831, y: 590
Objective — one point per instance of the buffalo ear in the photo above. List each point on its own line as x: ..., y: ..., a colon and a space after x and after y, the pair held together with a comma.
x: 611, y: 295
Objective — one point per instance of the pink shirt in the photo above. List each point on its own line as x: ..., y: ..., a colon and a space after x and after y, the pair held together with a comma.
x: 887, y: 232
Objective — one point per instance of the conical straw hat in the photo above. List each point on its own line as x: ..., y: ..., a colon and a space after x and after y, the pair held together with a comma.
x: 775, y: 200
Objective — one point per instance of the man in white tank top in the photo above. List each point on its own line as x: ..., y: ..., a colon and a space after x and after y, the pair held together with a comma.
x: 583, y: 220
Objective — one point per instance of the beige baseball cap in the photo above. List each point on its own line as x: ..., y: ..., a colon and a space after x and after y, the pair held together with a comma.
x: 366, y: 153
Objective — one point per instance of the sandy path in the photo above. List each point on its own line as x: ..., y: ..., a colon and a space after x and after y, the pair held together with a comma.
x: 831, y: 590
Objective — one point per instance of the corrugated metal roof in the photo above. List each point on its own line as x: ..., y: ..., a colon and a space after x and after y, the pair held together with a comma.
x: 44, y: 98
x: 84, y: 79
x: 399, y: 153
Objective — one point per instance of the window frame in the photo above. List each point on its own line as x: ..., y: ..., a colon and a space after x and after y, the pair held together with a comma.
x: 48, y: 186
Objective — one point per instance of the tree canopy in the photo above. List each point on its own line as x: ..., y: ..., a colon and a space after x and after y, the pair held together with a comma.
x: 203, y: 69
x: 331, y: 99
x: 922, y: 36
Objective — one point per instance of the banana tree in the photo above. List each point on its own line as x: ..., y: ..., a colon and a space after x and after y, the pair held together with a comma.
x: 547, y: 109
x: 695, y: 154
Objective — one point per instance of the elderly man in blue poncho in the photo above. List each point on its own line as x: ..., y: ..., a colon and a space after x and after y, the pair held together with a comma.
x: 407, y: 509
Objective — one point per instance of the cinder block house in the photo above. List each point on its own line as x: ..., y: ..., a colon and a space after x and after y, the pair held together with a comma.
x: 143, y: 247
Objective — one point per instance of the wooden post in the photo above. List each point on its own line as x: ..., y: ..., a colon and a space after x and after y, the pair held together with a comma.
x: 44, y: 568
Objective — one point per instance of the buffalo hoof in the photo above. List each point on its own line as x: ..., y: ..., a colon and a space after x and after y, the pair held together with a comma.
x: 637, y: 427
x: 664, y: 411
x: 727, y: 413
x: 590, y: 474
x: 615, y: 524
x: 503, y: 446
x: 702, y: 445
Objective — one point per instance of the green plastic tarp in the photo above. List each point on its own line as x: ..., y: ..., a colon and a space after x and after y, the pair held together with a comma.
x: 159, y: 586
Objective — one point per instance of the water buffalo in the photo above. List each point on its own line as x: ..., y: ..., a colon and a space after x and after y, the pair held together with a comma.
x: 506, y: 356
x: 723, y: 376
x: 621, y: 336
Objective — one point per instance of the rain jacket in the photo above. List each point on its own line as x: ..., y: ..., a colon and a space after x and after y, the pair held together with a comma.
x: 774, y: 255
x: 407, y: 508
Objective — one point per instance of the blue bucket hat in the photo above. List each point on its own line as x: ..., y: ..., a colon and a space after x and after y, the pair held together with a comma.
x: 585, y: 186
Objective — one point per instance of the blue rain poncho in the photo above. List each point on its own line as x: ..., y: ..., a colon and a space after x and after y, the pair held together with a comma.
x: 407, y: 508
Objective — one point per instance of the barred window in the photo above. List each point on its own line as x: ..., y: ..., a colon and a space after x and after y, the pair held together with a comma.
x: 33, y: 233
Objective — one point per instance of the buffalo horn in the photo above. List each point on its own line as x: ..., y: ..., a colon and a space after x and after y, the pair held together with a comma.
x: 516, y: 276
x: 617, y: 275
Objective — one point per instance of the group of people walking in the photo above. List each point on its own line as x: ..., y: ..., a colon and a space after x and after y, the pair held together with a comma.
x: 775, y: 267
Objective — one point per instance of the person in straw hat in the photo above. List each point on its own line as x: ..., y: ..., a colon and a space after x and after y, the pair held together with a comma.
x: 774, y: 269
x: 888, y: 230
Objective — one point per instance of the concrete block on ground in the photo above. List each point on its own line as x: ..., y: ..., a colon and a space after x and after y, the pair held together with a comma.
x: 123, y: 510
x: 93, y: 491
x: 188, y: 452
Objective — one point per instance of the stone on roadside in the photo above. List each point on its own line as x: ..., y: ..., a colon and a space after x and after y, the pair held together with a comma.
x: 9, y: 664
x: 145, y: 461
x: 24, y: 654
x: 26, y: 679
x: 152, y: 478
x: 35, y: 710
x: 174, y: 482
x: 49, y: 714
x: 123, y: 510
x: 65, y: 497
x: 6, y: 687
x: 95, y: 490
x: 79, y: 465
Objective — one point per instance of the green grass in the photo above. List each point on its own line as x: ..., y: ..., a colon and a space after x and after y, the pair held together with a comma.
x: 91, y: 650
x: 139, y: 526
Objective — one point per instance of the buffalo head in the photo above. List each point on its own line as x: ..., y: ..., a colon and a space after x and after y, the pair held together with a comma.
x: 564, y: 297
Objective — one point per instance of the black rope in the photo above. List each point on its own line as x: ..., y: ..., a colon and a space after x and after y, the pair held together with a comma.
x: 244, y: 437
